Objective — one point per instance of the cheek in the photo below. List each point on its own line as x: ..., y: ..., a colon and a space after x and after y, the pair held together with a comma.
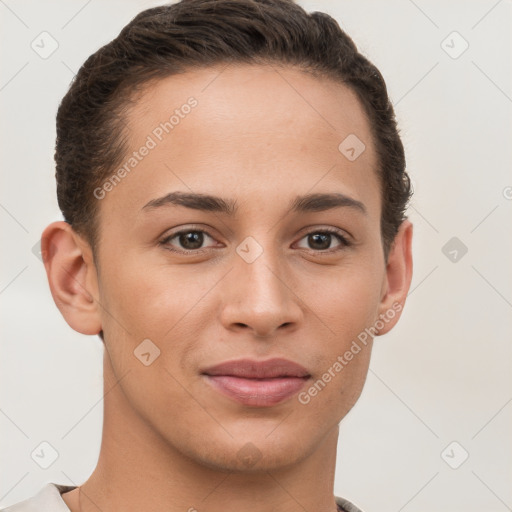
x: 145, y: 299
x: 347, y: 300
x: 332, y: 394
x: 347, y: 306
x: 343, y: 352
x: 157, y: 302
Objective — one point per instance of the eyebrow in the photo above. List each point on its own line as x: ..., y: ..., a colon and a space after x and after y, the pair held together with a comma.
x: 301, y: 204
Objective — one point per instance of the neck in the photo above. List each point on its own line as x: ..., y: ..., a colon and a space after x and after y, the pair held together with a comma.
x: 139, y: 470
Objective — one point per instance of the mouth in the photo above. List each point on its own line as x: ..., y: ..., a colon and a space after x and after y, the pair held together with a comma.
x: 257, y: 383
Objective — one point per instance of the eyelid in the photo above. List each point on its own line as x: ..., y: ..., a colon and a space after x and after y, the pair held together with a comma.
x: 338, y: 233
x: 165, y: 239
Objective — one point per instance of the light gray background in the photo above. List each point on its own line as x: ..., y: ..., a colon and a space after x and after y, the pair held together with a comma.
x: 442, y: 375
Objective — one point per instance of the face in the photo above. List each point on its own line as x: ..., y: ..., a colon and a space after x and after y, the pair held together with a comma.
x: 268, y: 267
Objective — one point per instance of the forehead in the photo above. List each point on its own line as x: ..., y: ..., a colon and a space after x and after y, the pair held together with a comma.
x: 255, y: 131
x: 256, y: 100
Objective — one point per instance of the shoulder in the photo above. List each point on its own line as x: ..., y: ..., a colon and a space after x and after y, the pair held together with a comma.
x: 48, y: 499
x: 344, y: 505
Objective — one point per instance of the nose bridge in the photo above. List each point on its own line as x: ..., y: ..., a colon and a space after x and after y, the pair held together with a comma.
x: 258, y: 295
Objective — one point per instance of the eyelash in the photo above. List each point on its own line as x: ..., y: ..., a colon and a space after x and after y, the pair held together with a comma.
x: 344, y: 242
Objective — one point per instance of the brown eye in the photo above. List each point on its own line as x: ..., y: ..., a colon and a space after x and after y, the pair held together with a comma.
x: 186, y: 240
x: 191, y: 240
x: 322, y: 241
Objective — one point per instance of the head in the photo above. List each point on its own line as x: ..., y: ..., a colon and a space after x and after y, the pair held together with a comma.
x: 233, y: 186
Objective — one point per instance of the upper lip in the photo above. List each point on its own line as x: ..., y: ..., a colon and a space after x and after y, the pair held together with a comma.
x: 251, y: 369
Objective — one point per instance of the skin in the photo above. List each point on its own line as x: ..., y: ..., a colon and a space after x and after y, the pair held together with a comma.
x: 260, y: 135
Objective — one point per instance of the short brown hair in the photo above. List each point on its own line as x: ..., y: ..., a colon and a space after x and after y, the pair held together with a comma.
x: 170, y: 39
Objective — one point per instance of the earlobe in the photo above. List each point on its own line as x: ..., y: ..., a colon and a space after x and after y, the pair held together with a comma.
x: 72, y: 277
x: 397, y: 279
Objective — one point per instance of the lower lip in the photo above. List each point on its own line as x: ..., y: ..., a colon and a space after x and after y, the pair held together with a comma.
x: 257, y: 392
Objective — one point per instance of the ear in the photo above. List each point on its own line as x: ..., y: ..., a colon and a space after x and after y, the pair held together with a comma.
x: 72, y: 277
x: 397, y: 280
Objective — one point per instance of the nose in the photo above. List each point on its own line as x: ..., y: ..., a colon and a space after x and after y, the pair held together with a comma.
x: 259, y: 297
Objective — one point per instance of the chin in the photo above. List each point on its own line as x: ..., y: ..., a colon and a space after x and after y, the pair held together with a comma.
x: 253, y: 455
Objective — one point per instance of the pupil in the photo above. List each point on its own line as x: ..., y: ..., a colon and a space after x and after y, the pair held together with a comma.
x: 192, y: 240
x: 321, y: 237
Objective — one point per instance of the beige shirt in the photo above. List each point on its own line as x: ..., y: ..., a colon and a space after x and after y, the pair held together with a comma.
x: 49, y: 499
